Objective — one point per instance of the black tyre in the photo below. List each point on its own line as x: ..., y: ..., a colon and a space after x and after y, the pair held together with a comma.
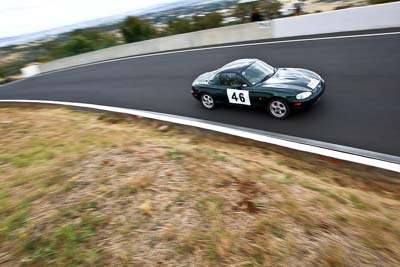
x: 208, y: 101
x: 278, y: 109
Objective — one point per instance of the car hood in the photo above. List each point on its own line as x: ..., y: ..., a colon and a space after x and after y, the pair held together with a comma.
x: 293, y: 78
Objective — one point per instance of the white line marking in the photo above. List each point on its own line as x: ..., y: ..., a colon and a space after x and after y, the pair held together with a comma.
x: 227, y: 130
x: 221, y: 47
x: 16, y: 81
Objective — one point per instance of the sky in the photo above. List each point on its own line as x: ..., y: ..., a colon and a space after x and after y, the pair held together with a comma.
x: 19, y: 17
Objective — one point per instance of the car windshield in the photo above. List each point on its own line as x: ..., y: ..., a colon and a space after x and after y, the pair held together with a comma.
x: 258, y: 71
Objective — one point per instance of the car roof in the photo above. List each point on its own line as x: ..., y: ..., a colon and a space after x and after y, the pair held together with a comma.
x: 237, y: 65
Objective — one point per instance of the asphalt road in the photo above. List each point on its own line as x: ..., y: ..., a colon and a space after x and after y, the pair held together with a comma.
x: 360, y: 107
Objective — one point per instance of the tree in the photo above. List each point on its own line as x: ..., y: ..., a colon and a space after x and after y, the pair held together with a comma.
x: 267, y: 9
x: 270, y: 9
x: 180, y: 26
x: 373, y: 2
x: 243, y: 10
x: 211, y: 20
x: 83, y: 41
x: 135, y: 29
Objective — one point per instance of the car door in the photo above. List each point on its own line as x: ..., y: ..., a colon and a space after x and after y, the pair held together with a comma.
x: 217, y: 90
x: 258, y: 96
x: 230, y: 88
x: 236, y: 90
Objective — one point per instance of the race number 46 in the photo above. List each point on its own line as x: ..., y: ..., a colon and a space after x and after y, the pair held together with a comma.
x: 238, y: 96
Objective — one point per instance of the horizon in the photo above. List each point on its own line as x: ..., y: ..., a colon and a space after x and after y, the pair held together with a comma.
x: 16, y: 17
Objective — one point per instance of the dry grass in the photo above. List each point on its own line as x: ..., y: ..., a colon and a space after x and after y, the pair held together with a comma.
x: 327, y: 5
x: 80, y: 188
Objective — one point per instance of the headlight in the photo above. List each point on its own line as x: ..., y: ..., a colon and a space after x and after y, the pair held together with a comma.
x: 303, y: 95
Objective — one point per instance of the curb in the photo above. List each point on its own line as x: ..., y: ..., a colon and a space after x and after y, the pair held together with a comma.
x: 355, y: 155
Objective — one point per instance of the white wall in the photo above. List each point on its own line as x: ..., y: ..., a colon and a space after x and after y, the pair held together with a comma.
x: 351, y: 19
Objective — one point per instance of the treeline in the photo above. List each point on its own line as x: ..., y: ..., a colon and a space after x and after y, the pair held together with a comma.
x: 133, y: 29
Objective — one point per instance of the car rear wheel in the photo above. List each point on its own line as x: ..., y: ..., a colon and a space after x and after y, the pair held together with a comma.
x: 208, y: 101
x: 278, y: 109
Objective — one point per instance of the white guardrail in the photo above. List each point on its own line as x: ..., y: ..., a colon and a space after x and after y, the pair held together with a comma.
x: 351, y: 19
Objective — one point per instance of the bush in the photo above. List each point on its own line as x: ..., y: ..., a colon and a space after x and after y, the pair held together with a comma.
x: 211, y: 20
x: 373, y: 2
x: 270, y: 9
x: 83, y: 41
x: 267, y: 9
x: 343, y: 7
x: 135, y: 29
x: 180, y: 26
x: 12, y: 68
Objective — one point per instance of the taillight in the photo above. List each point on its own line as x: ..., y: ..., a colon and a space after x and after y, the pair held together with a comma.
x: 194, y: 91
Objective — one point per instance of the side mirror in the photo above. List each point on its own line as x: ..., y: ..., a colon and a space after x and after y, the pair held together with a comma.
x: 239, y: 86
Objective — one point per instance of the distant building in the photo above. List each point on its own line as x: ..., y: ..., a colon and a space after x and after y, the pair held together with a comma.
x: 246, y: 1
x: 289, y: 7
x: 160, y: 26
x: 185, y: 16
x: 226, y: 12
x: 230, y: 20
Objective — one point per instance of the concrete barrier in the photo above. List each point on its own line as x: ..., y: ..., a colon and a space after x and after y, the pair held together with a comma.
x: 351, y: 19
x: 230, y: 34
x: 30, y: 70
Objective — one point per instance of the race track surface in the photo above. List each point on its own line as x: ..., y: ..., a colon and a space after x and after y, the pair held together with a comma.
x: 360, y: 108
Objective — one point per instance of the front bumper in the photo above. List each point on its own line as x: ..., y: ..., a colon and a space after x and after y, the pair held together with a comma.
x: 312, y: 100
x: 195, y: 93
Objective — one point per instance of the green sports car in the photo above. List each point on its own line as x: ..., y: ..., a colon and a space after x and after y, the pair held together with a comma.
x: 252, y: 82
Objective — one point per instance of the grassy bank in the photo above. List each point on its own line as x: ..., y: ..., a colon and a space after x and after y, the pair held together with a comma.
x: 80, y: 188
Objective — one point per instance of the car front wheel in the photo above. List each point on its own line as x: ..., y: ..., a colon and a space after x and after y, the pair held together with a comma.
x: 208, y: 101
x: 278, y: 109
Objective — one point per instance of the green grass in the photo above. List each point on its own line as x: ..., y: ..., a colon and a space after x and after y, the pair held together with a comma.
x: 3, y: 194
x: 266, y: 225
x: 28, y: 158
x: 213, y: 153
x: 323, y: 191
x: 210, y: 206
x: 176, y: 154
x: 14, y: 217
x: 288, y: 180
x: 64, y: 246
x: 358, y: 203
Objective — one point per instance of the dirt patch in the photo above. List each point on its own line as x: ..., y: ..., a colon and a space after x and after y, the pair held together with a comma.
x: 10, y: 57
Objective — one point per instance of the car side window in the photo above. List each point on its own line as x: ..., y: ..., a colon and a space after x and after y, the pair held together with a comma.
x: 229, y: 79
x: 215, y: 80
